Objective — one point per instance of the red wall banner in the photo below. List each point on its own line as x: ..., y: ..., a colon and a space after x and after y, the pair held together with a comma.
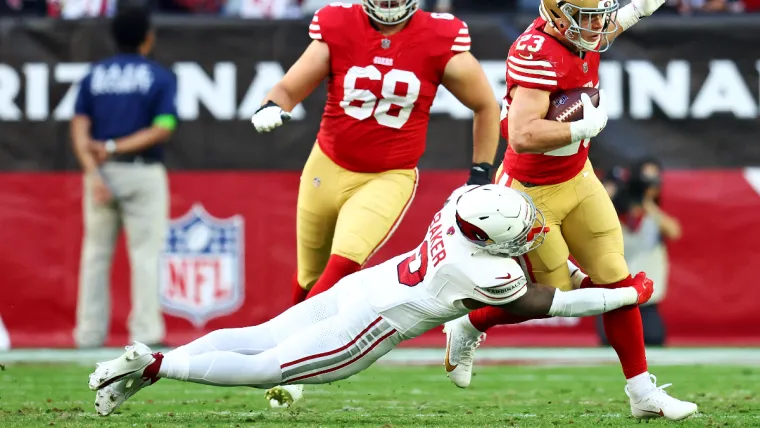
x: 712, y: 297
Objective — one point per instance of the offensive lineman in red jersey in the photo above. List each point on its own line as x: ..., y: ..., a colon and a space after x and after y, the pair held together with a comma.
x: 384, y: 61
x: 548, y: 160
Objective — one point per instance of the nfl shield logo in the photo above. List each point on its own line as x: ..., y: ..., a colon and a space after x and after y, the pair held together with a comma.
x: 585, y: 67
x: 202, y: 266
x: 385, y: 43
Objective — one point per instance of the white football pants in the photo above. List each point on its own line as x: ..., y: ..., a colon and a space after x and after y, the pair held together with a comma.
x: 329, y: 337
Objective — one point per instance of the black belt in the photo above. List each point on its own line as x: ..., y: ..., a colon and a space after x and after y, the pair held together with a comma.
x: 124, y: 158
x: 526, y: 184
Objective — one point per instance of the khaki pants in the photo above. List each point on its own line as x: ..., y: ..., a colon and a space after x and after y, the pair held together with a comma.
x: 141, y: 205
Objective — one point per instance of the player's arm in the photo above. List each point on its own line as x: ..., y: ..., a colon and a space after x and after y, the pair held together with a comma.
x: 530, y: 132
x: 466, y: 80
x: 302, y: 78
x: 541, y: 300
x: 164, y: 112
x: 80, y: 128
x: 632, y: 13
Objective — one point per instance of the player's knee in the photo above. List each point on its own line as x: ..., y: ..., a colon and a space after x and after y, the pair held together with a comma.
x: 307, y: 278
x: 608, y: 269
x: 354, y: 247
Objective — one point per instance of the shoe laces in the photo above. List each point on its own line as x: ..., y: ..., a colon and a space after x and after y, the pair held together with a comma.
x: 659, y: 390
x: 466, y: 355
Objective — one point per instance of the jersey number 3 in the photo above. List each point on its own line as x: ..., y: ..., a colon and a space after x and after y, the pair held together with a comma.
x: 392, y: 110
x: 412, y: 270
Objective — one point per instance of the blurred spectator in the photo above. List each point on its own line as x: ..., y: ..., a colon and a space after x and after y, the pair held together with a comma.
x: 77, y: 9
x: 311, y: 6
x: 22, y: 8
x: 686, y: 7
x: 645, y: 226
x: 264, y: 9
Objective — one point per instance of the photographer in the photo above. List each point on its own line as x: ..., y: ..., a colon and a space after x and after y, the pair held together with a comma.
x: 645, y: 227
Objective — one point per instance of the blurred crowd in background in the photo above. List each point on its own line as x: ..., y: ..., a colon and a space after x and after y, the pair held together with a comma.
x: 294, y: 9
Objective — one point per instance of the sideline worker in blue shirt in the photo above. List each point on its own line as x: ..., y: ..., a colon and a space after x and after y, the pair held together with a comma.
x: 124, y: 111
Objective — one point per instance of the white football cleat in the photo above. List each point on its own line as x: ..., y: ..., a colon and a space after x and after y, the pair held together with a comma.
x: 656, y: 403
x: 129, y: 365
x: 284, y: 396
x: 110, y: 397
x: 461, y: 341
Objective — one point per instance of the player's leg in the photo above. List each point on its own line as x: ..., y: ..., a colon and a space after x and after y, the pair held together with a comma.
x: 145, y: 209
x: 101, y: 228
x: 252, y: 340
x: 593, y: 233
x: 329, y: 350
x: 317, y: 212
x: 370, y: 214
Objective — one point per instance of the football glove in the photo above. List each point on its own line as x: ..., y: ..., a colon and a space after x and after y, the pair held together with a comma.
x: 629, y: 15
x: 268, y: 117
x: 594, y: 119
x: 647, y: 7
x: 480, y: 173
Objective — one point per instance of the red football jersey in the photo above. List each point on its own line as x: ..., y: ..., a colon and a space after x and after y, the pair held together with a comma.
x: 381, y: 88
x: 538, y: 60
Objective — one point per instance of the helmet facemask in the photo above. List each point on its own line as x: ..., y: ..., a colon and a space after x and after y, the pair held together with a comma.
x: 390, y: 12
x: 581, y: 21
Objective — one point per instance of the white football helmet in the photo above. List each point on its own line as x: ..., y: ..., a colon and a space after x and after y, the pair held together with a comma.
x: 500, y: 220
x: 390, y: 12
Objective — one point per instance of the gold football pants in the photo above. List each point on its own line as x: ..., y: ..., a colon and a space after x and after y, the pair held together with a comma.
x: 582, y: 222
x: 347, y: 213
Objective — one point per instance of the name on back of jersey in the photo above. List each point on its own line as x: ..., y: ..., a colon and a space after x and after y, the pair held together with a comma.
x: 435, y: 237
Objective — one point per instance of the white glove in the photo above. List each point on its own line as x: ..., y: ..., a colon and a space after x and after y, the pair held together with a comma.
x: 594, y: 119
x: 629, y: 15
x: 269, y: 117
x: 647, y: 7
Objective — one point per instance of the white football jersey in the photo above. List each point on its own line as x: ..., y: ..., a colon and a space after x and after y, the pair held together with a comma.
x: 425, y: 287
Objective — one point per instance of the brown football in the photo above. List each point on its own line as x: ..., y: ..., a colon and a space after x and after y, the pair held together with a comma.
x: 566, y: 106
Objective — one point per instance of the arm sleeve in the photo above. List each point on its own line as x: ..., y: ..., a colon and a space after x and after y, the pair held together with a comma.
x: 83, y: 105
x: 532, y: 70
x: 166, y: 97
x: 498, y: 280
x: 591, y: 301
x: 453, y: 36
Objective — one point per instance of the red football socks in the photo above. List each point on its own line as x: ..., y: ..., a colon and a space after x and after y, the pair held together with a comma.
x: 299, y: 293
x: 338, y: 267
x: 151, y: 372
x: 625, y: 333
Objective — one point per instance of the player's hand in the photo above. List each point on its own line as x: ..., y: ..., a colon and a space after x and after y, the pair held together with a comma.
x: 594, y: 118
x: 269, y: 117
x: 647, y: 7
x: 480, y: 174
x: 98, y: 150
x: 644, y: 287
x: 101, y: 194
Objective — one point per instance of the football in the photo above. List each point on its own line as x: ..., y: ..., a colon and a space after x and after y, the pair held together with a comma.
x: 566, y: 106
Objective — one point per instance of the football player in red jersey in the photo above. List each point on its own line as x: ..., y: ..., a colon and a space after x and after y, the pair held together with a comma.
x: 384, y: 61
x: 548, y: 160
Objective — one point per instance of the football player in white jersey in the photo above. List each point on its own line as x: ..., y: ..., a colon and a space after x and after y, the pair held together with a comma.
x: 463, y: 263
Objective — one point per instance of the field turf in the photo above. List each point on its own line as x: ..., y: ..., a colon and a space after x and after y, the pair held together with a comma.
x: 56, y: 394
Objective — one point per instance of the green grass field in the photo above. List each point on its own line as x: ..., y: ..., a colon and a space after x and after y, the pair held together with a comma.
x: 38, y: 395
